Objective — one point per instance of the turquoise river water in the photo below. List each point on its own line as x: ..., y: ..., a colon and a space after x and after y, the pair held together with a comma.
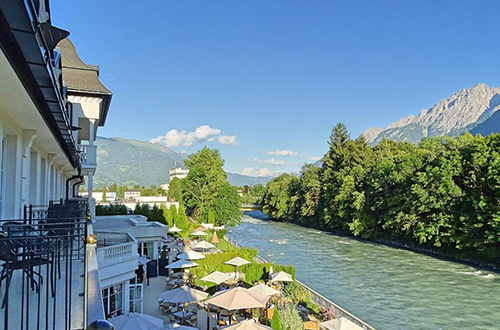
x: 387, y: 287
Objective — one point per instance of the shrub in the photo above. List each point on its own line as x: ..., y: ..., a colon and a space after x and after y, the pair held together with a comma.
x: 290, y: 318
x: 276, y: 320
x: 297, y: 294
x: 112, y: 209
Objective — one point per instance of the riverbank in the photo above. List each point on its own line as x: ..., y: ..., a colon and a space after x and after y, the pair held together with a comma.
x: 317, y: 298
x: 400, y: 244
x: 389, y: 288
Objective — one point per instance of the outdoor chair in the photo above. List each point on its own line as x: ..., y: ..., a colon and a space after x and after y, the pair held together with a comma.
x: 24, y: 253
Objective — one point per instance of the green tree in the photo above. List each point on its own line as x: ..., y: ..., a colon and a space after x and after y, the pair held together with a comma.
x: 113, y: 187
x: 279, y: 197
x: 226, y: 206
x: 181, y: 221
x: 258, y: 191
x: 205, y: 181
x: 211, y: 216
x: 175, y: 190
x: 104, y: 191
x: 290, y: 318
x: 276, y: 320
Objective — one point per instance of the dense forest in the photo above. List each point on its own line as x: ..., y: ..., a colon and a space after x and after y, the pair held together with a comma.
x: 442, y: 193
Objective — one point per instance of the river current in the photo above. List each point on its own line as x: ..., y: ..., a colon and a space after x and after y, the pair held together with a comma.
x: 387, y: 287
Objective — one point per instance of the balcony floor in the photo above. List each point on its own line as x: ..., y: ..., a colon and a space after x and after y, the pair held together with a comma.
x: 37, y: 316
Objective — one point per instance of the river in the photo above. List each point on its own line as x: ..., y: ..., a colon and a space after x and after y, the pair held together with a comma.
x: 389, y: 288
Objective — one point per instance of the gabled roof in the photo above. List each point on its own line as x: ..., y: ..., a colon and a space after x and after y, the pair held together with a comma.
x: 78, y: 75
x: 81, y: 78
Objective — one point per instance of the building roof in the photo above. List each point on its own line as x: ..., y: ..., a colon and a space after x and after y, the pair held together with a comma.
x: 78, y: 75
x: 82, y: 78
x: 137, y: 226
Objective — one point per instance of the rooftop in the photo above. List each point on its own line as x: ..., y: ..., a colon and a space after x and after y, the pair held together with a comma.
x: 136, y: 225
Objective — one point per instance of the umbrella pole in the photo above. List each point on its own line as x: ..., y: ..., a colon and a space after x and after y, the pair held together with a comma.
x: 208, y: 316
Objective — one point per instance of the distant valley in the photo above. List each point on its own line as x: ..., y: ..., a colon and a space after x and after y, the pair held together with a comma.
x: 134, y: 162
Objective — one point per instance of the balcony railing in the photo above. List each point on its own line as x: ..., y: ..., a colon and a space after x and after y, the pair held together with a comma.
x: 88, y: 155
x: 49, y: 276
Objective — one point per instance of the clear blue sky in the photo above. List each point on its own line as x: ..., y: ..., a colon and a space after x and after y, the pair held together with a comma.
x: 278, y: 74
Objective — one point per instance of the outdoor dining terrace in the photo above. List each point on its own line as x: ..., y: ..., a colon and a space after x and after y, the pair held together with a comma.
x: 42, y: 279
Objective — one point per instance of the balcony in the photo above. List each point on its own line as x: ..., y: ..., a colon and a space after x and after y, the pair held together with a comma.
x: 88, y: 156
x: 117, y: 257
x: 49, y: 275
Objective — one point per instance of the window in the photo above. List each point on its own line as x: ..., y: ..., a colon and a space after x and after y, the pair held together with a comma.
x: 136, y: 297
x: 113, y: 300
x: 145, y: 249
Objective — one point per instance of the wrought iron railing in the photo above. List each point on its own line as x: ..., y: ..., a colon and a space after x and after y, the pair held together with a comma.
x: 34, y: 213
x: 41, y: 279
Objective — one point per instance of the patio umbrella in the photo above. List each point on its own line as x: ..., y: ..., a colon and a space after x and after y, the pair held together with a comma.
x: 247, y: 325
x: 264, y: 289
x: 198, y: 233
x: 203, y: 245
x: 215, y: 238
x: 135, y: 321
x: 238, y: 298
x: 281, y: 277
x: 191, y: 255
x: 181, y: 264
x: 174, y: 229
x: 216, y: 277
x: 237, y: 262
x: 340, y: 324
x: 184, y: 294
x: 174, y: 326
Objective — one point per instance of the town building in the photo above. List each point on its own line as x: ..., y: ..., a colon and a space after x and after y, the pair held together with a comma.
x: 57, y: 271
x: 179, y: 173
x: 131, y: 194
x: 99, y: 196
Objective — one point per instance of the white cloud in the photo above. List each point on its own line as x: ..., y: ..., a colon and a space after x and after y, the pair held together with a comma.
x: 202, y: 134
x: 263, y: 172
x: 271, y: 161
x: 228, y: 139
x: 248, y: 171
x: 252, y: 171
x: 284, y: 153
x: 314, y: 158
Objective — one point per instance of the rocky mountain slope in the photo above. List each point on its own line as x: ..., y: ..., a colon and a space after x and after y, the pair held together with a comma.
x: 133, y: 162
x: 467, y: 110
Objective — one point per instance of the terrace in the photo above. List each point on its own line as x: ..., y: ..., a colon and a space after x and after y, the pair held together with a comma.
x: 50, y: 277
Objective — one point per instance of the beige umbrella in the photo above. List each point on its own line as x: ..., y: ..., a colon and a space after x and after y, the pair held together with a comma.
x: 174, y: 326
x: 216, y: 277
x: 198, y: 233
x: 247, y: 325
x: 235, y: 299
x: 215, y: 238
x: 181, y: 264
x: 203, y: 245
x: 237, y: 262
x: 340, y: 324
x: 264, y: 289
x: 174, y: 229
x: 238, y: 298
x: 281, y: 277
x: 135, y: 321
x: 191, y: 255
x: 184, y: 294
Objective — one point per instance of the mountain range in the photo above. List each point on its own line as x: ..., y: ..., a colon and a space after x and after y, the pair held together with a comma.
x: 133, y: 162
x: 473, y: 110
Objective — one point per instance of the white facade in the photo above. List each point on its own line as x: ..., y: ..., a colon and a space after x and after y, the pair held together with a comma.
x: 98, y: 196
x: 131, y: 194
x: 179, y: 173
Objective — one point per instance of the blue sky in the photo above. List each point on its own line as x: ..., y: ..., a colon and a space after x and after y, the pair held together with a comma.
x: 277, y: 74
